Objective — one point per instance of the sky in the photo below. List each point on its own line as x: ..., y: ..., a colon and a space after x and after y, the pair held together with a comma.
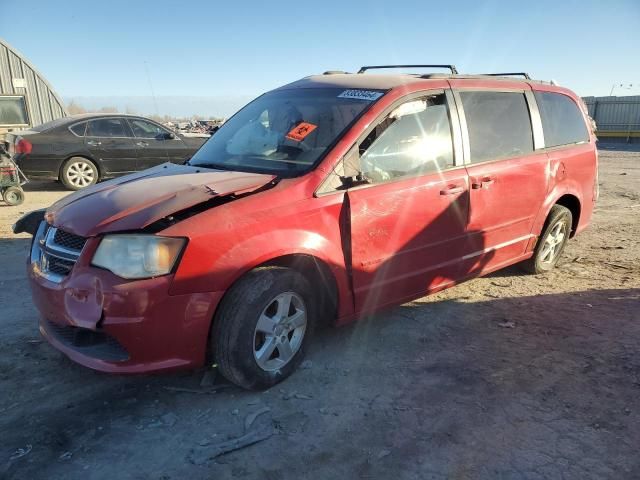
x: 221, y: 54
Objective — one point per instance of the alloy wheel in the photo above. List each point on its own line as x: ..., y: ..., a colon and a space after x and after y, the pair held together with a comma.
x: 280, y: 331
x: 553, y: 243
x: 80, y: 174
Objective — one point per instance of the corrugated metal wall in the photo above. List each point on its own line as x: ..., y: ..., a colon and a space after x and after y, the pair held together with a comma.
x: 42, y: 102
x: 615, y: 116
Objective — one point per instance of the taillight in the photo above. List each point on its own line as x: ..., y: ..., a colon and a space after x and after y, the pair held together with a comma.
x: 23, y: 146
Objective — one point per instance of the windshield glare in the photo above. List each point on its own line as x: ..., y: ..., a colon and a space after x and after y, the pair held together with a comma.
x: 285, y: 132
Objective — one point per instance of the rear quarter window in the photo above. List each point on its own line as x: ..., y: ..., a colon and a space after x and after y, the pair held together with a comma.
x: 498, y: 123
x: 562, y: 121
x: 79, y: 128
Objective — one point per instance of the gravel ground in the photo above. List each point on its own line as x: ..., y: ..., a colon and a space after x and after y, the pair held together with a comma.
x: 507, y: 376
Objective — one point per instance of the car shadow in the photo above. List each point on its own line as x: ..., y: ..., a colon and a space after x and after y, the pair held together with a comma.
x: 44, y: 186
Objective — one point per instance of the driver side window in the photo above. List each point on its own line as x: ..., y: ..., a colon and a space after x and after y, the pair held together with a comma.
x: 144, y: 129
x: 414, y: 139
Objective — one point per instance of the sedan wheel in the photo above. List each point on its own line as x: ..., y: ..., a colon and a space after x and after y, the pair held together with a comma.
x: 79, y: 173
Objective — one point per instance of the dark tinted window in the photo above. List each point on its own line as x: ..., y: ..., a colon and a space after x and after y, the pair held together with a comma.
x: 106, y: 127
x: 562, y: 120
x: 79, y: 128
x: 499, y: 125
x: 144, y: 129
x: 414, y: 139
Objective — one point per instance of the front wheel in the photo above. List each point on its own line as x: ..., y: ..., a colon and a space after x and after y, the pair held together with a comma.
x: 552, y: 242
x: 262, y: 327
x: 78, y: 173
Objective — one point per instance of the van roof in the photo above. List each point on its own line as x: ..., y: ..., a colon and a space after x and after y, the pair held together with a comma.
x: 389, y: 81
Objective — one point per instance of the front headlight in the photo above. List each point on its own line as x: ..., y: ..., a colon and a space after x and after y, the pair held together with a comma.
x: 138, y: 256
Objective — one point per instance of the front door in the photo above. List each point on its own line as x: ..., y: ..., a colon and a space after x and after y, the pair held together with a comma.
x: 154, y: 143
x: 408, y: 224
x: 508, y: 177
x: 110, y: 143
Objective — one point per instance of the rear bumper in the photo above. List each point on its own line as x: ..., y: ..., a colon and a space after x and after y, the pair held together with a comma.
x: 38, y: 167
x: 104, y: 323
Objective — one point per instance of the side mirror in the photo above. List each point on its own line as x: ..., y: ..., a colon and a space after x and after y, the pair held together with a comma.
x: 169, y: 136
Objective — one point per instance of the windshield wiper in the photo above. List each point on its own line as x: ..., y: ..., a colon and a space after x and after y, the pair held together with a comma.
x: 216, y: 166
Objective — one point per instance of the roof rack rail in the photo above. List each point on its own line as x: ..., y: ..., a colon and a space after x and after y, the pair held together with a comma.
x: 372, y: 67
x: 510, y: 74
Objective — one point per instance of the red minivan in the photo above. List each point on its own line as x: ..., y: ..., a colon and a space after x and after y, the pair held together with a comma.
x: 321, y: 201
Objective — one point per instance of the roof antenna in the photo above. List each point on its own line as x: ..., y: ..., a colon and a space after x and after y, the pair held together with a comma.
x: 153, y: 95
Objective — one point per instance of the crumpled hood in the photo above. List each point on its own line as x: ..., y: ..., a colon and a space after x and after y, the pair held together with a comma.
x: 137, y: 200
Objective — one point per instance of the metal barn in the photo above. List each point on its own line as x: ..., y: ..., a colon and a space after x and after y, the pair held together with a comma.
x: 26, y: 98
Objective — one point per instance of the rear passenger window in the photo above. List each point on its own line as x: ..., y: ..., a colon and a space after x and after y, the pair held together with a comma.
x: 562, y: 121
x: 498, y: 123
x: 79, y: 128
x: 106, y: 127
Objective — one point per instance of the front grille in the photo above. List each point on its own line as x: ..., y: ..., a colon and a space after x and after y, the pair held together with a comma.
x: 69, y: 240
x: 92, y: 343
x: 59, y: 266
x: 55, y: 251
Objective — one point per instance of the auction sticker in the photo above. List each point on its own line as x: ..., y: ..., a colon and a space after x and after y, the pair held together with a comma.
x: 369, y: 95
x: 300, y: 131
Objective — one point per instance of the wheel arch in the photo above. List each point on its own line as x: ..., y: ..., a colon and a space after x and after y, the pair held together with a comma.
x: 98, y: 165
x: 312, y: 267
x: 316, y: 270
x: 572, y: 202
x: 566, y: 197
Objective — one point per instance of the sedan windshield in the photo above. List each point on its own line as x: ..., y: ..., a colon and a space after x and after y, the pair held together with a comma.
x: 284, y: 132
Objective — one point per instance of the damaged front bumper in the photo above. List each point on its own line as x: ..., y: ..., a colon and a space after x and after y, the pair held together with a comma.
x: 114, y: 325
x: 102, y: 323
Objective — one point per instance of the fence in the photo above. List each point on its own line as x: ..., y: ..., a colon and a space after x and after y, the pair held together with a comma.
x: 617, y: 118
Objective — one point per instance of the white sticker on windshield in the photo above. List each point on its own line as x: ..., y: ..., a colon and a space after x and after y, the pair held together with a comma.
x: 361, y: 94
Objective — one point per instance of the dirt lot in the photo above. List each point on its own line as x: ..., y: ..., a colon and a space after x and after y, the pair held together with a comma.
x: 509, y: 376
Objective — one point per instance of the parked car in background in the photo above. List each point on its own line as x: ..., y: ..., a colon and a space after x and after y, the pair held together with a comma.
x: 319, y: 202
x: 81, y: 150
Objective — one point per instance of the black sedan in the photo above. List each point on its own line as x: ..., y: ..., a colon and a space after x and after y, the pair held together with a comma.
x: 81, y: 150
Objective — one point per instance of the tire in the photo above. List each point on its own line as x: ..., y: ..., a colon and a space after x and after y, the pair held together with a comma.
x: 241, y: 346
x: 550, y: 246
x: 78, y: 173
x: 13, y: 196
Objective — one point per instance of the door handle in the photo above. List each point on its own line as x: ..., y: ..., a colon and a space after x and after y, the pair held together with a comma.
x: 452, y: 190
x: 94, y: 143
x: 484, y: 182
x: 142, y: 144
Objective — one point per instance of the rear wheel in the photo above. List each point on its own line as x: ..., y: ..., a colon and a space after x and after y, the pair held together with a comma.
x: 262, y: 327
x: 13, y: 196
x: 552, y: 242
x: 78, y: 173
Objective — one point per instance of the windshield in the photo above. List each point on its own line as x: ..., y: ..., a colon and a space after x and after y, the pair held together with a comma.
x: 285, y: 132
